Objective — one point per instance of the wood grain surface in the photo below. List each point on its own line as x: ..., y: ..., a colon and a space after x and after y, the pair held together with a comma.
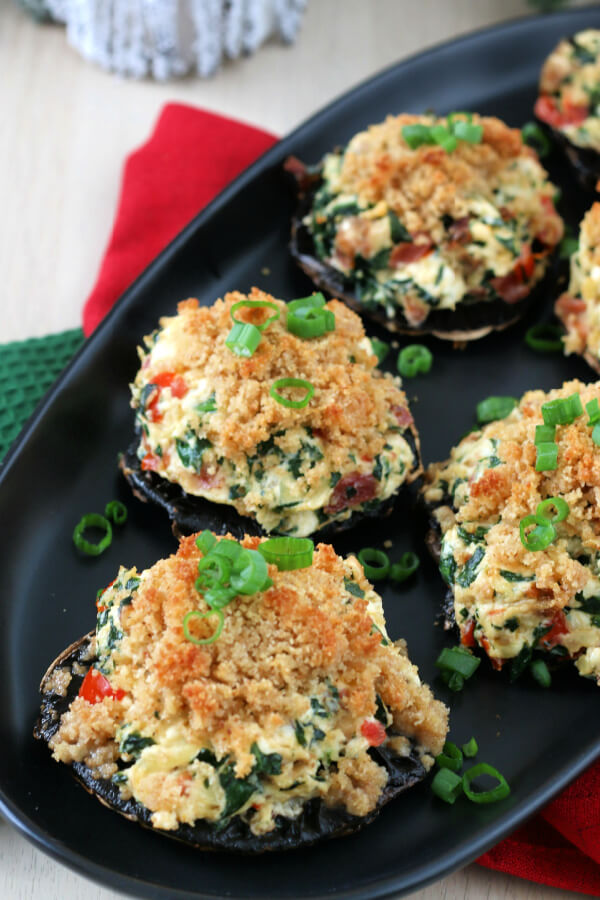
x: 65, y: 129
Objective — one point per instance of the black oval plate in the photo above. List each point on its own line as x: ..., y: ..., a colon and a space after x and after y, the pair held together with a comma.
x: 66, y: 464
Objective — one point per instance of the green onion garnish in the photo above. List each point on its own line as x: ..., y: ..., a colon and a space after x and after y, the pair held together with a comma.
x: 501, y: 790
x: 471, y: 748
x: 442, y: 135
x: 249, y: 572
x: 596, y: 435
x: 457, y: 660
x: 545, y: 434
x: 380, y: 349
x: 450, y: 758
x: 196, y: 614
x: 541, y: 673
x: 288, y: 553
x: 593, y: 411
x: 533, y: 135
x: 292, y: 383
x: 413, y: 359
x: 544, y: 338
x: 567, y: 247
x: 446, y: 136
x: 243, y: 339
x: 214, y: 570
x: 219, y: 596
x: 447, y: 785
x: 308, y: 318
x: 562, y: 411
x: 253, y: 304
x: 416, y: 135
x: 454, y: 680
x: 557, y: 503
x: 116, y: 512
x: 541, y: 535
x: 205, y: 541
x: 92, y: 520
x: 546, y: 457
x: 227, y: 547
x: 493, y: 408
x: 369, y: 555
x: 407, y: 566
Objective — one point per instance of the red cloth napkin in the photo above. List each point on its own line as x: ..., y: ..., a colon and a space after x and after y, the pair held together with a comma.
x: 189, y: 158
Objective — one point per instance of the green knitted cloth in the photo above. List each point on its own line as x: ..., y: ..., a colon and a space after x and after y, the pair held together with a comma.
x: 27, y: 369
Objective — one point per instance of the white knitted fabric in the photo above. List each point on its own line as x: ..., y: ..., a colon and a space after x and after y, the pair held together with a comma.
x: 168, y: 38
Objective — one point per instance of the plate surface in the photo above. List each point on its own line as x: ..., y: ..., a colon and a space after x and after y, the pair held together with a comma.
x: 65, y: 465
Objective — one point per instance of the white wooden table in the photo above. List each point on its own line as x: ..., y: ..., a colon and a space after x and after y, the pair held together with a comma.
x: 64, y: 131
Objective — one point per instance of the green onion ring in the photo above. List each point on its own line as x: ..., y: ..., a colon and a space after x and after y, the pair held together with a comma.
x: 228, y: 548
x: 546, y: 457
x: 447, y: 785
x: 380, y: 570
x: 380, y: 349
x: 414, y: 359
x: 407, y: 566
x: 309, y: 322
x: 205, y: 541
x: 544, y: 338
x: 456, y: 681
x: 243, y: 339
x: 561, y: 506
x: 249, y: 572
x: 253, y: 304
x: 288, y: 553
x: 541, y: 673
x: 116, y: 512
x: 493, y: 408
x: 540, y: 537
x: 470, y: 749
x: 596, y: 434
x: 292, y: 383
x: 92, y: 520
x: 501, y: 790
x: 593, y: 411
x: 219, y: 596
x: 214, y: 570
x: 458, y: 660
x: 533, y: 135
x: 545, y: 434
x: 196, y: 614
x: 450, y: 758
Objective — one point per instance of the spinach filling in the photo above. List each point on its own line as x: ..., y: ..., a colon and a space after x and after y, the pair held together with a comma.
x: 190, y: 450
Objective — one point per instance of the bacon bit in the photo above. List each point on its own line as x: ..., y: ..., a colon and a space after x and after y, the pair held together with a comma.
x: 496, y: 662
x: 351, y: 490
x: 374, y: 732
x: 513, y: 287
x: 567, y: 305
x: 571, y: 113
x: 207, y: 480
x: 506, y: 214
x: 415, y: 310
x: 406, y: 253
x: 560, y: 626
x: 402, y: 416
x: 467, y: 637
x: 151, y: 462
x: 460, y: 230
x: 95, y: 687
x: 294, y: 166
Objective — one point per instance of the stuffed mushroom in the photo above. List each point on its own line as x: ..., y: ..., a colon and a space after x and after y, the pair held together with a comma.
x: 264, y: 709
x: 293, y: 433
x: 579, y: 307
x: 515, y: 511
x: 569, y: 101
x: 428, y: 225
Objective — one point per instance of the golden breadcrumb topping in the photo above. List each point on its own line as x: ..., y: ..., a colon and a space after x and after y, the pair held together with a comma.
x: 296, y: 672
x: 503, y: 591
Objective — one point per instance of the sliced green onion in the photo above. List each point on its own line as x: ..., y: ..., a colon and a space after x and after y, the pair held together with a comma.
x: 316, y: 301
x: 455, y: 681
x: 459, y: 660
x: 292, y: 383
x: 219, y: 596
x: 414, y: 359
x: 493, y: 408
x: 249, y: 572
x: 596, y: 435
x: 540, y: 536
x: 450, y: 758
x: 308, y: 318
x: 501, y: 791
x: 557, y: 503
x: 567, y: 247
x: 243, y: 339
x: 416, y: 135
x: 213, y: 570
x: 562, y: 411
x: 447, y: 785
x: 288, y: 553
x: 253, y: 304
x: 545, y: 434
x: 196, y: 614
x: 541, y: 673
x: 441, y: 135
x: 369, y: 555
x: 533, y: 135
x: 466, y: 131
x: 380, y: 349
x: 116, y: 512
x: 205, y: 541
x: 226, y: 547
x: 544, y: 338
x: 593, y: 411
x: 546, y: 457
x: 407, y: 566
x: 471, y: 748
x: 92, y: 520
x: 575, y: 406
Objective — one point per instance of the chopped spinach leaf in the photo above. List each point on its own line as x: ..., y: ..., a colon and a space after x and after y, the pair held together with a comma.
x: 209, y: 405
x: 448, y: 568
x: 236, y: 491
x: 133, y: 743
x: 237, y: 790
x: 468, y: 573
x: 515, y: 576
x: 300, y: 736
x: 266, y: 763
x: 512, y: 624
x: 384, y: 640
x: 398, y: 232
x: 589, y: 605
x: 318, y: 708
x: 334, y: 478
x: 191, y: 450
x: 207, y: 756
x: 473, y: 537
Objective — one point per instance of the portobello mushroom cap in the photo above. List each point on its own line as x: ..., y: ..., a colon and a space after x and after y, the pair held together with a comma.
x: 316, y: 822
x: 472, y: 319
